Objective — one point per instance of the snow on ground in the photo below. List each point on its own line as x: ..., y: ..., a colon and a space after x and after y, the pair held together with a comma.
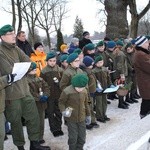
x: 124, y: 129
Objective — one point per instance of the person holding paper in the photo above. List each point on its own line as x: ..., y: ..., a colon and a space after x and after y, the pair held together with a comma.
x: 19, y: 102
x: 103, y: 81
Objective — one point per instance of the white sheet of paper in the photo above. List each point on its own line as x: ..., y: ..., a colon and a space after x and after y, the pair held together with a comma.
x: 110, y: 90
x: 20, y: 69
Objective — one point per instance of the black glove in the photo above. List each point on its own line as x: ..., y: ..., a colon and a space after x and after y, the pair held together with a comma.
x: 10, y: 78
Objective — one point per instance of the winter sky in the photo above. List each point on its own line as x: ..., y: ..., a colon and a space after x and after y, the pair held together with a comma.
x: 87, y: 11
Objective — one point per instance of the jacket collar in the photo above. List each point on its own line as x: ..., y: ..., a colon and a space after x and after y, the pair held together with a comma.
x: 8, y: 45
x: 142, y: 49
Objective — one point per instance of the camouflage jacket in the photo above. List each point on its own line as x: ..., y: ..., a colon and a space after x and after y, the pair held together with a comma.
x: 48, y: 74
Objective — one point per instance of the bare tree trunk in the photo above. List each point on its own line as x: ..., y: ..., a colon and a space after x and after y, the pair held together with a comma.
x: 48, y: 39
x: 19, y: 15
x: 117, y: 25
x: 13, y: 14
x: 135, y: 17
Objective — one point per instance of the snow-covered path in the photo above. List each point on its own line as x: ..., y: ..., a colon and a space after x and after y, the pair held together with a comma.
x: 123, y: 131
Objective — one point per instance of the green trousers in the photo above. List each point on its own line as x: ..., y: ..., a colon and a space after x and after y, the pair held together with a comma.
x: 101, y: 106
x: 77, y: 135
x: 26, y: 108
x: 2, y: 130
x: 41, y: 110
x: 93, y: 118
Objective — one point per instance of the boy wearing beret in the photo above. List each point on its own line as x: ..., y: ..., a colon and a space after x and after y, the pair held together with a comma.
x: 52, y: 74
x: 40, y: 91
x: 89, y: 50
x: 87, y: 66
x: 102, y: 75
x: 73, y: 69
x: 73, y: 103
x: 63, y: 61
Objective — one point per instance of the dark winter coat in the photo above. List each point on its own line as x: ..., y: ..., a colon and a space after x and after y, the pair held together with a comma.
x: 25, y: 47
x: 142, y: 70
x: 78, y: 101
x: 83, y: 42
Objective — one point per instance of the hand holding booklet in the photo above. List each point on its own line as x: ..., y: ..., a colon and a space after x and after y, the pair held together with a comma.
x: 20, y: 69
x: 111, y: 89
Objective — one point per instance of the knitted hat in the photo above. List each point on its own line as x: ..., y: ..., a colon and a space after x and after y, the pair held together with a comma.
x: 79, y: 80
x: 63, y: 57
x: 37, y: 45
x: 133, y: 41
x: 33, y: 66
x: 140, y: 40
x: 119, y: 43
x: 111, y: 44
x: 71, y: 50
x: 98, y: 58
x: 50, y: 55
x: 74, y: 40
x: 63, y: 47
x: 107, y: 39
x: 89, y: 46
x: 88, y: 61
x: 85, y: 33
x: 5, y: 29
x: 78, y: 51
x: 100, y: 43
x: 72, y: 57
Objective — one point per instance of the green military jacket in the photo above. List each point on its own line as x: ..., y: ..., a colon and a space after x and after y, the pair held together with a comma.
x: 78, y: 101
x: 105, y: 57
x: 10, y: 54
x: 67, y: 76
x: 48, y: 74
x: 3, y: 84
x: 92, y: 80
x: 120, y: 64
x: 37, y: 85
x: 102, y: 75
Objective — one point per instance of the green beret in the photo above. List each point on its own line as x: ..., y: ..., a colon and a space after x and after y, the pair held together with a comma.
x: 98, y: 58
x: 5, y: 29
x: 63, y: 57
x: 119, y: 43
x: 79, y: 80
x: 129, y: 45
x: 78, y: 51
x: 50, y: 55
x: 148, y: 37
x: 89, y: 46
x: 72, y: 57
x: 33, y: 65
x: 100, y: 43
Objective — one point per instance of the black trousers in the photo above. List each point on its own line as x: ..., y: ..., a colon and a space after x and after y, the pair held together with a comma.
x: 145, y: 107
